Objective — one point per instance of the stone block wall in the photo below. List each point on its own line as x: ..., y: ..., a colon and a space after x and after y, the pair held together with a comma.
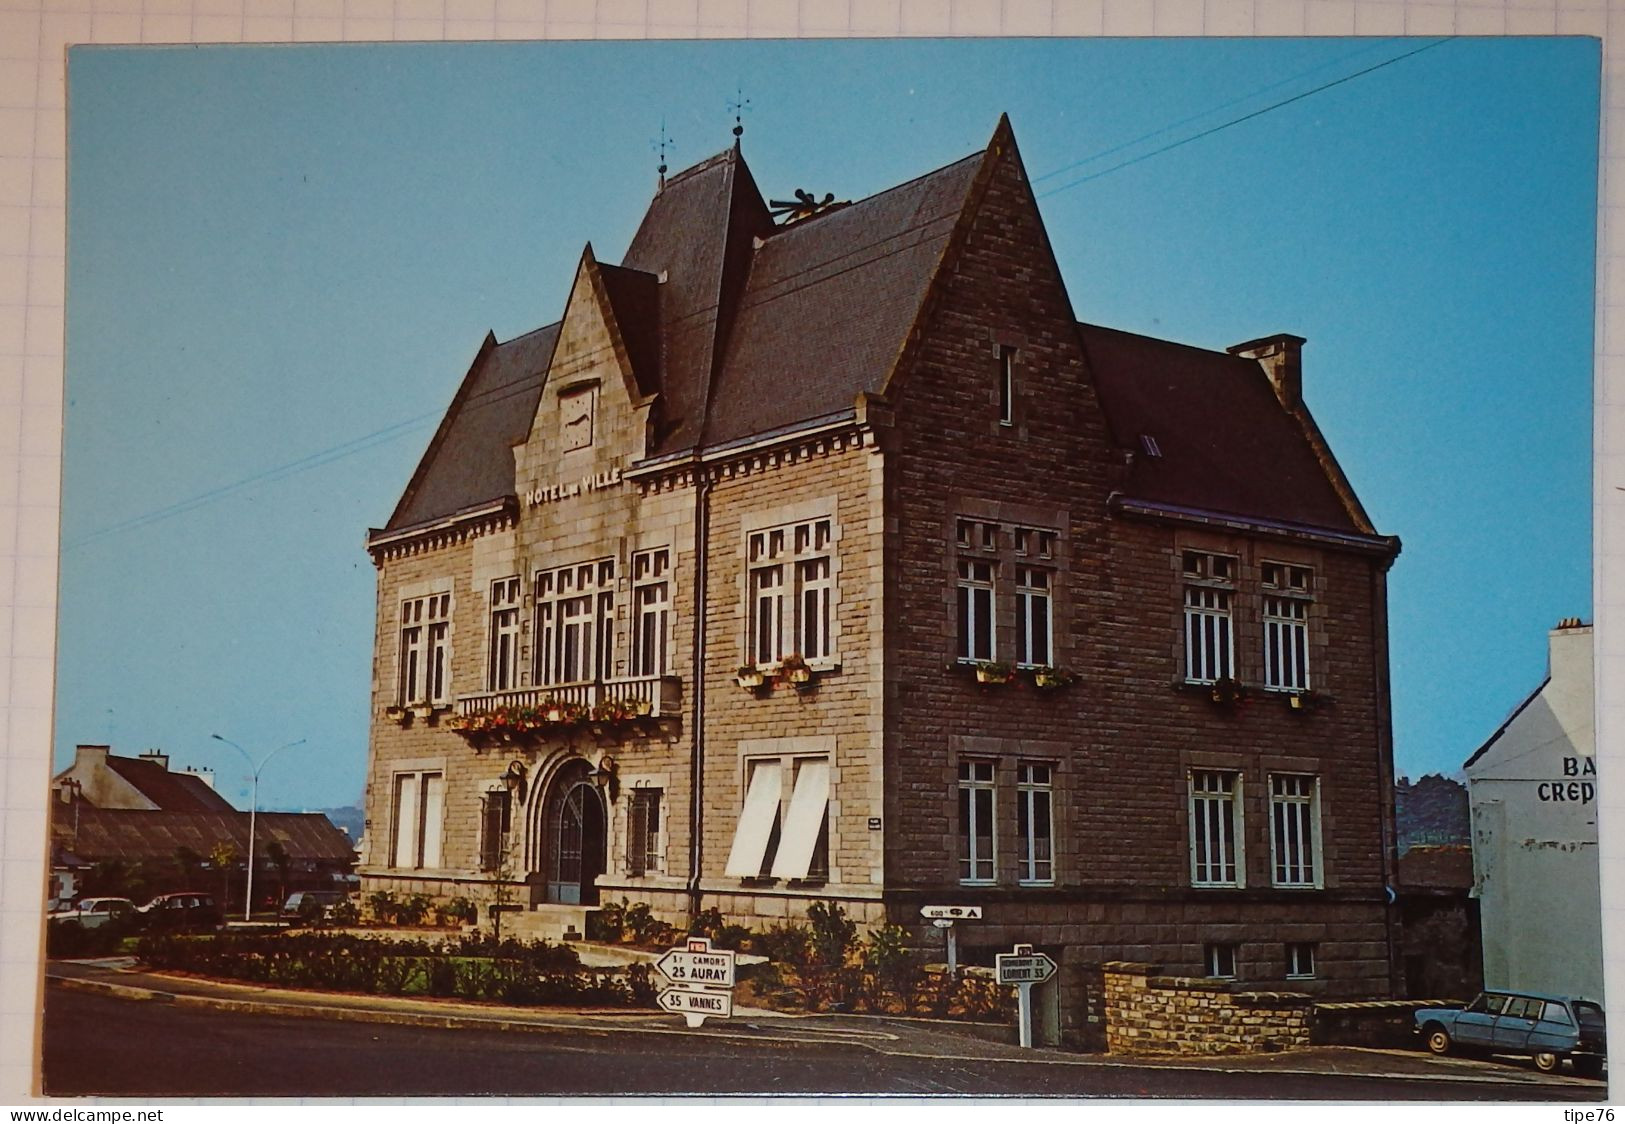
x: 1147, y: 1014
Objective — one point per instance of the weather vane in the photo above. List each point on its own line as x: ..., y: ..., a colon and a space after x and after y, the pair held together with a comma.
x: 739, y: 104
x: 664, y: 143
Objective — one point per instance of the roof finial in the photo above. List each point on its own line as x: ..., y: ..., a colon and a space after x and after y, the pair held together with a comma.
x: 739, y: 104
x: 661, y: 147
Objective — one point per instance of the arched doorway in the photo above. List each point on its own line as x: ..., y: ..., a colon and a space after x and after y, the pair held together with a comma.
x: 575, y: 845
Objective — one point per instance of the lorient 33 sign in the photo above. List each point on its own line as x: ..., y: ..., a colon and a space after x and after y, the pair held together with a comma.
x: 552, y: 493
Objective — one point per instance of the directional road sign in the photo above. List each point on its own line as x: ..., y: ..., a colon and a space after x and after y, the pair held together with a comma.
x: 696, y: 1003
x: 1029, y: 968
x: 698, y: 963
x: 951, y: 912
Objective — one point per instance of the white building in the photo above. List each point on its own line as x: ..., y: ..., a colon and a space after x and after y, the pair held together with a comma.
x: 1533, y: 790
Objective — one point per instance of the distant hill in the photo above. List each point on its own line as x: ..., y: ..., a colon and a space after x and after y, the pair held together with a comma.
x: 1432, y: 810
x: 348, y: 819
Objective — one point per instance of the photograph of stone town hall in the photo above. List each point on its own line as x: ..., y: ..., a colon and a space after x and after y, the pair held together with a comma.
x: 1118, y: 494
x: 828, y: 556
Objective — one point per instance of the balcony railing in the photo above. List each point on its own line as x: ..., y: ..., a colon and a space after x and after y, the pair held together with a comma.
x: 663, y: 693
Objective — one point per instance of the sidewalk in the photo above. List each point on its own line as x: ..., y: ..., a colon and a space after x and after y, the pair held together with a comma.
x: 888, y: 1035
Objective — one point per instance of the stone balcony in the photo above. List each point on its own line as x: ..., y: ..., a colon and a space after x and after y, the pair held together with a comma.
x: 662, y: 693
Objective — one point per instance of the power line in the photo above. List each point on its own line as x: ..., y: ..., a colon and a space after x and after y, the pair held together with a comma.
x: 1245, y: 117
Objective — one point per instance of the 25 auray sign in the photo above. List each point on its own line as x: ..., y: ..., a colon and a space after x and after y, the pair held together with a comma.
x: 565, y: 489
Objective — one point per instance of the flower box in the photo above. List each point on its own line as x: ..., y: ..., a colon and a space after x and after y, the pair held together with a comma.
x: 992, y: 674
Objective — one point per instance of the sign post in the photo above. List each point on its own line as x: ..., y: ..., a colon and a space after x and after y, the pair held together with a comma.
x: 943, y: 917
x: 702, y: 981
x: 1023, y: 967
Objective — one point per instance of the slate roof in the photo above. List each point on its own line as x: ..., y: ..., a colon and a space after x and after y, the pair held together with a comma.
x: 468, y: 462
x: 131, y: 835
x: 829, y: 301
x: 172, y: 792
x: 1227, y: 445
x: 746, y: 328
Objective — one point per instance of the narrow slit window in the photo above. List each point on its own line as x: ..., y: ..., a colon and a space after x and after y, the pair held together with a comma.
x: 1007, y: 385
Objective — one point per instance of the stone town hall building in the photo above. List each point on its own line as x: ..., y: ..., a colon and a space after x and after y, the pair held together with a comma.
x: 867, y: 449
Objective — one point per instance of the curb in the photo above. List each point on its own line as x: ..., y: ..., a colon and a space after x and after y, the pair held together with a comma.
x: 474, y: 1022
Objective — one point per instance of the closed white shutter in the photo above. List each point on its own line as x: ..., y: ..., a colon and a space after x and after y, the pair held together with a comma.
x: 755, y: 821
x: 434, y: 799
x: 406, y: 821
x: 801, y: 823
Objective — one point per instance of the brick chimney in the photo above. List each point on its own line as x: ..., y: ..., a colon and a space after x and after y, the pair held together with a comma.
x: 158, y: 757
x: 1281, y: 356
x: 90, y: 757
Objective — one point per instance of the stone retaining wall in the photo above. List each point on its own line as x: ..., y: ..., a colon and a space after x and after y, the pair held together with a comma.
x: 1148, y: 1014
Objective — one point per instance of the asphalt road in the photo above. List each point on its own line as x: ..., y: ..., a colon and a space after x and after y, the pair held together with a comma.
x: 121, y: 1047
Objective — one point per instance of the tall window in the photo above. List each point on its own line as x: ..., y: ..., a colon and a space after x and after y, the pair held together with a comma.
x: 1209, y: 644
x: 791, y: 592
x: 1216, y: 850
x: 1034, y: 821
x: 419, y: 805
x: 651, y: 596
x: 1033, y: 620
x: 502, y: 672
x: 976, y: 820
x: 1293, y: 830
x: 575, y: 621
x: 975, y: 609
x: 425, y: 655
x: 643, y: 852
x: 1286, y: 626
x: 495, y: 823
x: 1007, y: 385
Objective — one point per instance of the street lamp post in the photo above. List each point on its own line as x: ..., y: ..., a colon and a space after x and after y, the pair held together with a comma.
x: 253, y: 809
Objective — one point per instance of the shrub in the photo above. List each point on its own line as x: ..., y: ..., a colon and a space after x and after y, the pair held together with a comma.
x: 69, y: 940
x: 383, y: 907
x: 732, y: 936
x: 458, y: 911
x: 787, y: 944
x: 640, y: 921
x: 414, y: 909
x: 345, y: 913
x: 889, y: 964
x: 640, y: 979
x: 833, y: 933
x: 608, y: 924
x: 707, y: 923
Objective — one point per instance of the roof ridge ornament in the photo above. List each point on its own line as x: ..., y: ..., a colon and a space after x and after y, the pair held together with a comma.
x: 739, y: 103
x: 660, y: 146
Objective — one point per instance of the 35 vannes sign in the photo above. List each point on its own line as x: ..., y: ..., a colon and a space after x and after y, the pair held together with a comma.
x: 565, y: 489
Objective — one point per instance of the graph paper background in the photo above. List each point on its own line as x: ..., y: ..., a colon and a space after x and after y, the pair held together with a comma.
x: 33, y: 38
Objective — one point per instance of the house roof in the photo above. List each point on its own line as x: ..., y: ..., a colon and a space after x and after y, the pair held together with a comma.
x: 829, y: 301
x: 1225, y: 443
x: 133, y: 835
x: 1502, y: 729
x: 469, y: 460
x: 1448, y: 867
x: 744, y: 328
x: 172, y: 792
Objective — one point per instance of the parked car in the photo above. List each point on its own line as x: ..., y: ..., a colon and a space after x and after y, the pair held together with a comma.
x: 306, y: 907
x: 93, y: 913
x: 1548, y: 1028
x: 184, y: 910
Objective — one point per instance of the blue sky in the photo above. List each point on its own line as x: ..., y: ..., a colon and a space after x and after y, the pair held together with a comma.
x: 282, y: 259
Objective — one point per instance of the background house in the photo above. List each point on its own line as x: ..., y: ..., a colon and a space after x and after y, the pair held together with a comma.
x: 130, y: 827
x: 1533, y: 787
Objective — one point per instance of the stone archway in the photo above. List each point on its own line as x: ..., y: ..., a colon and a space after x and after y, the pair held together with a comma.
x: 574, y: 837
